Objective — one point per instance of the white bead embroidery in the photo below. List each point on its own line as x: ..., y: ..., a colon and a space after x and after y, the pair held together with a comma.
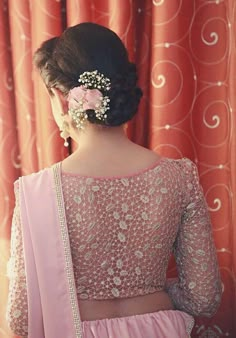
x: 117, y: 280
x: 110, y: 271
x: 16, y: 313
x: 192, y: 285
x: 115, y: 292
x: 119, y: 263
x: 123, y: 225
x: 138, y: 270
x: 144, y: 199
x: 138, y: 254
x: 97, y: 232
x: 144, y: 216
x: 121, y: 237
x: 124, y: 207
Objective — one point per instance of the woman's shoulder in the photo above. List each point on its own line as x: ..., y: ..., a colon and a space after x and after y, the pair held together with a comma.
x: 183, y: 163
x: 188, y: 167
x: 32, y: 175
x: 182, y: 170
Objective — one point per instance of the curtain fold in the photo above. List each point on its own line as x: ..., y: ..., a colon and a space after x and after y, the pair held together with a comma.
x: 47, y: 22
x: 9, y: 151
x: 20, y: 26
x: 186, y: 58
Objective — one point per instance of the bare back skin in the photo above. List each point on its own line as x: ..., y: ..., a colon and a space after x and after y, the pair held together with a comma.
x: 116, y: 156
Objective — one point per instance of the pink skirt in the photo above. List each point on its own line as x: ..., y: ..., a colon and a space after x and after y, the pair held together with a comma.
x: 161, y: 324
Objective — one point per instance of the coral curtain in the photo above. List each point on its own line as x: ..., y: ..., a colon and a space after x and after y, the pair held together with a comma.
x: 186, y: 58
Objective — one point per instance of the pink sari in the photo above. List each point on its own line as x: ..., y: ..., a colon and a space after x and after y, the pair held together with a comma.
x: 52, y: 300
x: 53, y: 310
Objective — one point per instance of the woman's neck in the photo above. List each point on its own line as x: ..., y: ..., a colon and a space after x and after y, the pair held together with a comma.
x: 101, y: 138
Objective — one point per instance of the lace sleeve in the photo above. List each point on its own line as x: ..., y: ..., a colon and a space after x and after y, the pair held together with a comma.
x: 17, y: 310
x: 198, y: 288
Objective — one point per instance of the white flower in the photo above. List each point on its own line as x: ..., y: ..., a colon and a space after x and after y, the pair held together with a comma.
x: 117, y: 280
x: 116, y: 215
x: 82, y: 190
x: 123, y: 225
x: 77, y: 199
x: 104, y: 264
x: 125, y: 207
x: 91, y: 197
x: 16, y: 313
x: 89, y: 180
x: 109, y: 207
x: 110, y: 191
x: 138, y: 270
x: 144, y: 216
x: 144, y: 199
x: 83, y: 296
x: 121, y: 237
x: 200, y: 252
x: 148, y: 280
x: 110, y: 271
x: 78, y: 217
x: 115, y: 292
x: 138, y: 254
x: 158, y: 199
x: 80, y: 289
x: 159, y: 180
x: 125, y: 182
x: 123, y: 273
x: 88, y: 255
x: 151, y: 191
x: 95, y: 188
x: 82, y: 280
x: 119, y: 263
x: 192, y: 285
x: 163, y: 190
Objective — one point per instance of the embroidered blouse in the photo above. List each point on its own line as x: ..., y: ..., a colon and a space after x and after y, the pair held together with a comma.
x: 122, y: 232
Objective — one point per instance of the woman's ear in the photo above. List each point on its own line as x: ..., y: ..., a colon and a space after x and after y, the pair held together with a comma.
x: 60, y: 108
x: 59, y: 100
x: 58, y: 104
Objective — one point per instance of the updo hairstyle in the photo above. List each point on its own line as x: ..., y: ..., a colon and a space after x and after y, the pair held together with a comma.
x: 88, y: 47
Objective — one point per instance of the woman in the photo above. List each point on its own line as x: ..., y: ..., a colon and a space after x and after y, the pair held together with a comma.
x: 92, y: 236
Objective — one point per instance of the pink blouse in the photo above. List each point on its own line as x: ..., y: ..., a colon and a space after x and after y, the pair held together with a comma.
x: 122, y: 232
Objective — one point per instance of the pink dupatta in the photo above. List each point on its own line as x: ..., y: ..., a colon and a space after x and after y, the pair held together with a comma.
x: 52, y: 300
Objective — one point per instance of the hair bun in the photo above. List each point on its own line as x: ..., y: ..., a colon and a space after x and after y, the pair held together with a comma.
x: 126, y: 80
x: 125, y: 97
x: 88, y: 47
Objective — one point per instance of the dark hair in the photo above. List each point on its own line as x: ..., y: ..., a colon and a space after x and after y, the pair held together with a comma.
x: 88, y: 47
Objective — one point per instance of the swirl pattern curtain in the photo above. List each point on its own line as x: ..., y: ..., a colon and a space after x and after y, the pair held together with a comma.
x: 186, y: 58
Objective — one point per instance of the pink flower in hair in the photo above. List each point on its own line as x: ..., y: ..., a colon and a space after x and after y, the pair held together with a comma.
x: 88, y: 96
x: 83, y: 98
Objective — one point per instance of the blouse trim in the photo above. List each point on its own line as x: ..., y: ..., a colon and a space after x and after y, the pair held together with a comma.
x: 67, y: 252
x: 138, y: 173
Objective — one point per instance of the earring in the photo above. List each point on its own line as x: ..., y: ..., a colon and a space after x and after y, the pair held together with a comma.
x: 65, y: 133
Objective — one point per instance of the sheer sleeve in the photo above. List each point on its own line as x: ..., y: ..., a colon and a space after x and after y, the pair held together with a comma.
x: 17, y: 313
x: 197, y: 290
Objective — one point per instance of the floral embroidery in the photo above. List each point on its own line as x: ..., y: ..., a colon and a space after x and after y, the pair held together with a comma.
x: 121, y: 237
x: 138, y: 254
x: 123, y: 225
x: 122, y: 254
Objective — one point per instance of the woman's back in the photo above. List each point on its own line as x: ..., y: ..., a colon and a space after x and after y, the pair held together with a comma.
x: 123, y: 229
